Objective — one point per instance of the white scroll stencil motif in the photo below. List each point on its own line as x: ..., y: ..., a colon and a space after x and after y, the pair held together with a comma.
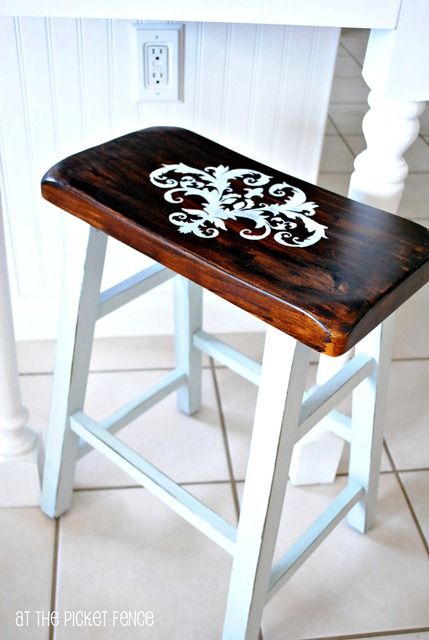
x: 290, y: 220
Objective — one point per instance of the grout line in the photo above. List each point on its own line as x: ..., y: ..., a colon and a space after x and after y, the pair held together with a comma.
x: 413, y: 470
x: 188, y: 483
x: 99, y: 371
x: 342, y: 173
x: 344, y: 474
x: 422, y: 136
x: 228, y: 452
x: 414, y: 359
x: 335, y: 173
x: 134, y: 370
x: 205, y: 367
x: 352, y: 55
x: 373, y: 634
x: 113, y: 488
x: 225, y: 440
x: 330, y: 119
x: 407, y: 498
x: 54, y: 575
x: 342, y: 103
x: 416, y: 172
x: 342, y: 137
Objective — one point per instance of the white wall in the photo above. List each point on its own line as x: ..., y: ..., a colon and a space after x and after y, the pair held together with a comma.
x: 67, y: 84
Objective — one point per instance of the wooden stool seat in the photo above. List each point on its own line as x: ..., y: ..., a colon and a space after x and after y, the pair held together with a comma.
x: 318, y: 266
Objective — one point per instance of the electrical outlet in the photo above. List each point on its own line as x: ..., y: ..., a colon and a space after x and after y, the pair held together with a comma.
x: 156, y: 65
x: 159, y: 56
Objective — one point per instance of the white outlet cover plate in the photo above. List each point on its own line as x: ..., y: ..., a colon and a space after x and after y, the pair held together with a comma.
x: 170, y: 35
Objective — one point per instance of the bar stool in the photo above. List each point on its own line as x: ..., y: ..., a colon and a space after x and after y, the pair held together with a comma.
x: 325, y: 273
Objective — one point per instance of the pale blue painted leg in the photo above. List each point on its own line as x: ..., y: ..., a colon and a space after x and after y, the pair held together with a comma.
x: 82, y: 283
x: 188, y: 319
x: 368, y: 414
x: 284, y: 368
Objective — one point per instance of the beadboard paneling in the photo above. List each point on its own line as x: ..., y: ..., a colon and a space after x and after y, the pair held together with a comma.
x: 70, y: 83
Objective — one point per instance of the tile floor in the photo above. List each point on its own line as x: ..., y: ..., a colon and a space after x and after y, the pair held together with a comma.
x: 119, y: 549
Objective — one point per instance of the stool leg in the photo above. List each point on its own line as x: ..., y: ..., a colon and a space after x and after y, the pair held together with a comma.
x: 284, y: 370
x: 317, y: 455
x: 77, y: 320
x: 368, y: 412
x: 188, y: 310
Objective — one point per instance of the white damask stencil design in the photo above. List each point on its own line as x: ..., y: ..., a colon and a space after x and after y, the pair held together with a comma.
x: 290, y: 219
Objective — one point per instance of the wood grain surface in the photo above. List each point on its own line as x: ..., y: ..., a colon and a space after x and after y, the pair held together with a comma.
x: 328, y: 294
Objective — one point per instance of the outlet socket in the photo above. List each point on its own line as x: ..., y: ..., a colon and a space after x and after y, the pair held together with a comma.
x: 156, y: 65
x: 159, y: 58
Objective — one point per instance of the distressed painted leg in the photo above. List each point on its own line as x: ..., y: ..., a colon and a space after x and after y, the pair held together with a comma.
x: 368, y: 413
x: 76, y: 332
x: 188, y: 310
x: 284, y: 369
x: 317, y: 455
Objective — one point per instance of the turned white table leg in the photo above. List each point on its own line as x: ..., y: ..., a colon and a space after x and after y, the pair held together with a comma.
x: 390, y: 127
x: 19, y: 445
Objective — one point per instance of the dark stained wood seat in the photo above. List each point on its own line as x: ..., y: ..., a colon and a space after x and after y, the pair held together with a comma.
x: 320, y: 267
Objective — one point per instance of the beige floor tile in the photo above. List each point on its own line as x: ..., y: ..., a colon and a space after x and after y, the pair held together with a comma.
x: 349, y: 90
x: 109, y: 354
x: 352, y: 584
x: 417, y: 156
x: 342, y: 51
x: 250, y: 343
x: 27, y: 547
x: 407, y: 419
x: 417, y: 487
x: 238, y: 398
x: 35, y: 356
x: 347, y: 67
x: 414, y: 202
x: 417, y: 635
x: 238, y: 402
x: 424, y: 122
x: 330, y: 129
x: 145, y: 352
x: 356, y: 142
x: 336, y: 182
x: 412, y: 327
x: 355, y: 42
x: 124, y: 550
x: 189, y: 448
x: 348, y: 117
x: 336, y: 157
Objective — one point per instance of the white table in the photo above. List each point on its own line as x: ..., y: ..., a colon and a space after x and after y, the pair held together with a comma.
x: 396, y: 69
